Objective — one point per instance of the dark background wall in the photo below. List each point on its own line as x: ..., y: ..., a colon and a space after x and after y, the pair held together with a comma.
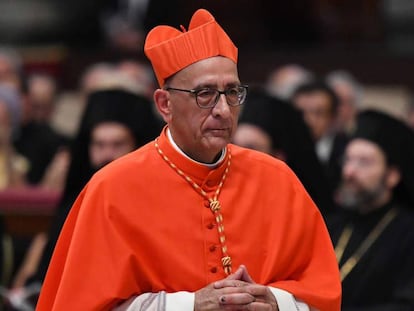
x: 374, y: 39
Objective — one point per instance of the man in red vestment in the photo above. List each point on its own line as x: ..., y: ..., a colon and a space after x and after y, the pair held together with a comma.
x: 190, y: 221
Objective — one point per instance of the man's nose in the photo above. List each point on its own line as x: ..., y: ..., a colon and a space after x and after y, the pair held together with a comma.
x: 222, y: 107
x: 349, y: 168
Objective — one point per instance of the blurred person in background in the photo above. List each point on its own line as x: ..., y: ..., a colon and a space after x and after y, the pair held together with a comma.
x: 114, y: 123
x: 349, y: 92
x: 36, y: 140
x: 13, y: 166
x: 10, y: 67
x: 13, y: 176
x: 17, y: 167
x: 318, y: 103
x: 283, y: 80
x: 125, y: 73
x: 273, y: 126
x: 94, y: 77
x: 372, y: 231
x: 70, y: 104
x: 123, y: 24
x: 45, y: 148
x: 42, y: 91
x: 141, y: 74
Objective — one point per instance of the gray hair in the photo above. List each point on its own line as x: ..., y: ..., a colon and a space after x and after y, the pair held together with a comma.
x: 345, y: 77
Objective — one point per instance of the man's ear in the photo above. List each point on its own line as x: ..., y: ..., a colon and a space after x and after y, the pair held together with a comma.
x: 162, y: 102
x: 393, y: 177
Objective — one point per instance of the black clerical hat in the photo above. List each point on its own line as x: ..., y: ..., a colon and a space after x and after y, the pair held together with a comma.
x: 290, y: 135
x: 117, y: 105
x: 279, y: 119
x: 396, y: 139
x: 134, y: 111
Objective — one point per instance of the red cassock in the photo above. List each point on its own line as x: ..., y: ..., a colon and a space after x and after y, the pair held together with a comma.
x: 139, y: 227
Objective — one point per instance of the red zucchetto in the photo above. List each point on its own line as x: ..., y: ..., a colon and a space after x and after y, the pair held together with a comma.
x: 171, y: 50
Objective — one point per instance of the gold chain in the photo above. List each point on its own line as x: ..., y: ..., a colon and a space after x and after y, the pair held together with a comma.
x: 214, y: 204
x: 343, y: 242
x: 351, y: 262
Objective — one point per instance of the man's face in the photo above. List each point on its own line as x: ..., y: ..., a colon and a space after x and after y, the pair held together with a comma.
x: 109, y: 141
x: 253, y: 137
x: 364, y: 176
x: 317, y: 112
x: 5, y: 126
x: 202, y: 133
x: 42, y: 91
x: 347, y: 105
x: 7, y: 74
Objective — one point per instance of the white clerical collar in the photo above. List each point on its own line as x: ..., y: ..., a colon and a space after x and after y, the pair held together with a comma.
x: 210, y: 165
x: 324, y: 147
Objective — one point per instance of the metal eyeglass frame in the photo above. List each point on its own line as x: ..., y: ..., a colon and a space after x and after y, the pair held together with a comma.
x: 214, y: 102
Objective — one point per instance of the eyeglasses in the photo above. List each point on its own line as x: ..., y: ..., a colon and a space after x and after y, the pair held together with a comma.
x: 359, y: 162
x: 208, y: 97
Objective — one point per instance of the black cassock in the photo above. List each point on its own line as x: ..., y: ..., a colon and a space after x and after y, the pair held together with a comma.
x: 383, y: 277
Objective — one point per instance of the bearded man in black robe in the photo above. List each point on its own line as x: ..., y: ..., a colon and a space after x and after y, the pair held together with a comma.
x: 373, y: 231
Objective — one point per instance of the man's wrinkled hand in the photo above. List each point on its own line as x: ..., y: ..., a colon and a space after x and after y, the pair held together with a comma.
x: 236, y: 292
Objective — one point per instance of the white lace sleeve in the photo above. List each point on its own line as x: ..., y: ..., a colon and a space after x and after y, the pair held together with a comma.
x: 144, y: 302
x: 287, y: 302
x: 183, y: 301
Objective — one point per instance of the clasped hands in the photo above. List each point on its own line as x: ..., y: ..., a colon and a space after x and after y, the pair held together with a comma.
x: 236, y: 292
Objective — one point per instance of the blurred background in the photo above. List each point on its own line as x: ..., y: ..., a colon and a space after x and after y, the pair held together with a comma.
x: 53, y: 53
x: 373, y: 39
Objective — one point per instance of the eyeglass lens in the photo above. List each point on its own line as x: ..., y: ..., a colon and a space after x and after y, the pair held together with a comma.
x: 209, y: 97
